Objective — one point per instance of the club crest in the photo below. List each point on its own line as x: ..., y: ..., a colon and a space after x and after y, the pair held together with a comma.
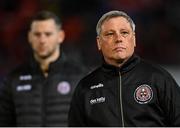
x: 143, y: 94
x: 64, y: 88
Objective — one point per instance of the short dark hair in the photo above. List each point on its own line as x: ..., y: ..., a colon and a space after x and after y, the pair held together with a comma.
x: 45, y: 15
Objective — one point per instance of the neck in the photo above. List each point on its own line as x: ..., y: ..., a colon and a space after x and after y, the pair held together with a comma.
x: 45, y: 62
x: 116, y: 63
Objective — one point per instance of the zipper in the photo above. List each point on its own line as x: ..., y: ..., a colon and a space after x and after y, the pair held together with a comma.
x: 120, y: 96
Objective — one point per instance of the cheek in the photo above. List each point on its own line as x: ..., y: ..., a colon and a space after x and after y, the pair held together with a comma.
x: 53, y: 43
x: 106, y: 46
x: 106, y: 49
x: 34, y: 45
x: 34, y: 41
x: 54, y: 40
x: 131, y: 43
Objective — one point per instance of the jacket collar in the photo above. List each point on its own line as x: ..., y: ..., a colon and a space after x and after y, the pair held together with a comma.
x: 34, y: 64
x: 127, y: 66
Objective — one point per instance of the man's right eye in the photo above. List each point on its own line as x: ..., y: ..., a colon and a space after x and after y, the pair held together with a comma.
x: 109, y: 34
x: 37, y: 34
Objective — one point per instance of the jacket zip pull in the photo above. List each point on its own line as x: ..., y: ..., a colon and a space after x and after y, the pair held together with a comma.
x: 120, y: 94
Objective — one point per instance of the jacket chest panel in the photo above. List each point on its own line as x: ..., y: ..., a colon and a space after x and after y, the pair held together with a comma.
x: 102, y: 99
x: 100, y: 103
x: 55, y: 89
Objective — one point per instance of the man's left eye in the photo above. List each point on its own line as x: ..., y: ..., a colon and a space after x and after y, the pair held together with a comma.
x: 124, y: 32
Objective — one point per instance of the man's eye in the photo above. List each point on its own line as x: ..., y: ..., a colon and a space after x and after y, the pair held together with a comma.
x: 48, y: 34
x: 37, y: 34
x: 109, y: 34
x: 124, y: 33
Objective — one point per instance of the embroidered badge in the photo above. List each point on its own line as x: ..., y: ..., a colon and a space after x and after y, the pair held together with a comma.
x: 64, y: 87
x: 143, y: 94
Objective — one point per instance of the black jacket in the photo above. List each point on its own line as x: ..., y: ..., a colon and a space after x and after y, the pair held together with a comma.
x: 27, y: 98
x: 137, y: 94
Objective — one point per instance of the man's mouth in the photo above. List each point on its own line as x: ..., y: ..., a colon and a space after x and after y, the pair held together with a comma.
x: 119, y: 49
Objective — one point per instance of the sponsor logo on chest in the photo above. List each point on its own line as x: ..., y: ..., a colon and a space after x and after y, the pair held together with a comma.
x: 25, y: 77
x: 100, y: 85
x: 25, y: 87
x: 97, y: 100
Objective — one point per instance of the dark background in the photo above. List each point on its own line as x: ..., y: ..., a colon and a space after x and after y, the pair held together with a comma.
x: 157, y: 29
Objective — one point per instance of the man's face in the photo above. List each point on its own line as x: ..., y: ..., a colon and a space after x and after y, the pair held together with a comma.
x: 45, y: 38
x: 116, y: 40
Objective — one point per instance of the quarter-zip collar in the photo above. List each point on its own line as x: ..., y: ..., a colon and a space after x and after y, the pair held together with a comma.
x: 127, y: 66
x: 34, y: 64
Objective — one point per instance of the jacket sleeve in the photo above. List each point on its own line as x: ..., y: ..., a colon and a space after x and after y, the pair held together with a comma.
x: 171, y: 101
x: 7, y: 113
x: 76, y: 116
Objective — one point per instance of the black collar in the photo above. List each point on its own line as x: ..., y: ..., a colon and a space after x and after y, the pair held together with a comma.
x: 34, y: 64
x: 127, y: 66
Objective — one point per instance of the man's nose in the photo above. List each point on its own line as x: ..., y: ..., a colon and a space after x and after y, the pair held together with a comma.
x: 118, y: 37
x: 42, y: 39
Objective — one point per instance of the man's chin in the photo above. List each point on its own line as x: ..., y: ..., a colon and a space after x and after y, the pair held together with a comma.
x: 120, y: 57
x: 43, y: 56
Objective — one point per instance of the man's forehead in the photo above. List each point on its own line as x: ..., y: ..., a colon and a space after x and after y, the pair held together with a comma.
x: 116, y: 19
x: 116, y: 22
x: 43, y: 25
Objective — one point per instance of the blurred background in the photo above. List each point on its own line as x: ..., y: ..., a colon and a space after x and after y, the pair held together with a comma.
x: 157, y: 30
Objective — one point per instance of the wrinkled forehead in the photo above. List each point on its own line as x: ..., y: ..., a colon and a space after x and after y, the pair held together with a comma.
x: 116, y: 22
x: 115, y: 18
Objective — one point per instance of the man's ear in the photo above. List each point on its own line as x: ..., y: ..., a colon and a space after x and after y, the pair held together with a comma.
x: 98, y: 43
x: 29, y: 37
x: 61, y: 36
x: 134, y: 39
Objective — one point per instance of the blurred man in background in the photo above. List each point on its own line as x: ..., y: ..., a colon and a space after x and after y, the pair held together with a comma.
x: 38, y: 92
x: 125, y: 90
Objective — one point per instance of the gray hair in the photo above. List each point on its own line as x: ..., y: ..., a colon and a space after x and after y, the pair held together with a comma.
x: 113, y: 14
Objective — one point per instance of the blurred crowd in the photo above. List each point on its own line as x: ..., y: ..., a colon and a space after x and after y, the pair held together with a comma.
x: 157, y: 28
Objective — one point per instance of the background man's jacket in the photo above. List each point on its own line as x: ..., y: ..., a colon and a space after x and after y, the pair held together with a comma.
x: 27, y: 98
